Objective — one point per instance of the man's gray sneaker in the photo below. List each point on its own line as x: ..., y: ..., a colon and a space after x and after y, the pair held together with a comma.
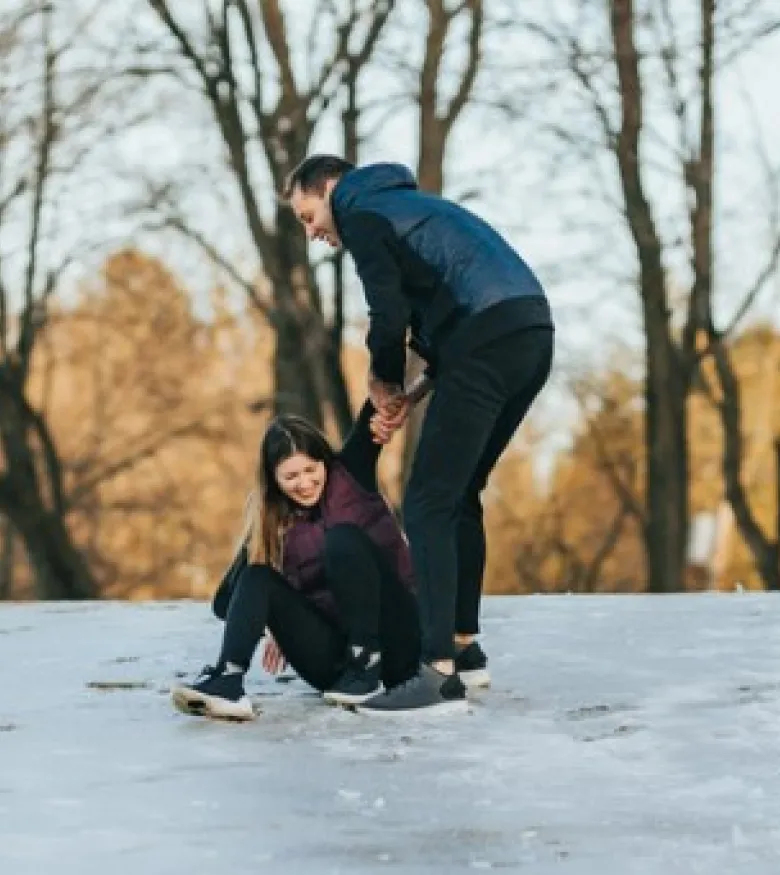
x: 428, y: 691
x: 471, y: 665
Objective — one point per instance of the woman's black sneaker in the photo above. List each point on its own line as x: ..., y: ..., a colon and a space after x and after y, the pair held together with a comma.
x: 358, y: 682
x: 471, y: 665
x: 428, y: 691
x: 216, y: 693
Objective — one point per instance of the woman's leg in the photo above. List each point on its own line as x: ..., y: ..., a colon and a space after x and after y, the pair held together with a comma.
x: 354, y: 577
x: 379, y: 612
x: 313, y: 645
x: 247, y: 616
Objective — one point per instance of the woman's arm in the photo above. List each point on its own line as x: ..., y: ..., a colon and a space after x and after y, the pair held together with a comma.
x: 360, y: 453
x: 224, y: 592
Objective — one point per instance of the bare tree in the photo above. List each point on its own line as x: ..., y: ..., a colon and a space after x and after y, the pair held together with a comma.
x: 266, y: 113
x: 7, y: 557
x: 614, y: 55
x: 740, y: 463
x: 440, y: 103
x: 31, y: 481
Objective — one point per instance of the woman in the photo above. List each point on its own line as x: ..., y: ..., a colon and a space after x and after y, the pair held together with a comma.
x: 324, y: 568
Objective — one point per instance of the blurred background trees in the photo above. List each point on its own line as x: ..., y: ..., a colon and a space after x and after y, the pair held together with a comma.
x: 158, y: 303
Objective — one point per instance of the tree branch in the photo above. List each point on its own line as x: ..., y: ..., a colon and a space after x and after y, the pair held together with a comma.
x: 30, y: 313
x: 187, y: 49
x: 469, y: 76
x: 228, y: 118
x: 766, y: 273
x: 276, y: 32
x: 251, y: 40
x: 607, y: 546
x: 264, y: 306
x: 699, y: 172
x: 144, y: 450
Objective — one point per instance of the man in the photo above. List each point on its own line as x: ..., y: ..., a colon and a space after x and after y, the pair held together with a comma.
x: 481, y: 320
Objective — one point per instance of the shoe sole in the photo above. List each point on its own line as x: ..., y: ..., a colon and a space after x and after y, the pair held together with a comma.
x: 200, y: 705
x: 334, y: 698
x: 441, y: 709
x: 476, y: 678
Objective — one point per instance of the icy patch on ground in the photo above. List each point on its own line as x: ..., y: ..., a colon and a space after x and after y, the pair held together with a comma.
x: 624, y: 734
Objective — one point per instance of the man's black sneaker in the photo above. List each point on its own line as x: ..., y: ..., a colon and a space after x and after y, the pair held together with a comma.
x: 215, y: 693
x: 428, y: 691
x: 471, y: 665
x: 359, y: 681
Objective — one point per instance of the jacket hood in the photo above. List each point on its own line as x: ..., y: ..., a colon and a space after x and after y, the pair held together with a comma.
x: 370, y: 179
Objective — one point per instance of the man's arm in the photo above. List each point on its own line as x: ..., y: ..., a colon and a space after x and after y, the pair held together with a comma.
x: 370, y: 240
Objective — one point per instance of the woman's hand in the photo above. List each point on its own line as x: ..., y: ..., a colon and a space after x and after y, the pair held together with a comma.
x: 273, y: 658
x: 383, y: 425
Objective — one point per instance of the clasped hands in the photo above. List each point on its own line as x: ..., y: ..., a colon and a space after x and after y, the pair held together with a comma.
x: 392, y: 408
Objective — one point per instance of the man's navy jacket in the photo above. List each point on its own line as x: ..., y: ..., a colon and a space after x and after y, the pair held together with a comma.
x: 428, y: 264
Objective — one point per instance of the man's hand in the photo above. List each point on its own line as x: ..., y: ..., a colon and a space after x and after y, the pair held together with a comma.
x: 386, y: 421
x: 387, y: 399
x: 273, y: 658
x: 384, y: 426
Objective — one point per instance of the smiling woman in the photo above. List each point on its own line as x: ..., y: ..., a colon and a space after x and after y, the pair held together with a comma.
x: 323, y: 571
x: 302, y: 478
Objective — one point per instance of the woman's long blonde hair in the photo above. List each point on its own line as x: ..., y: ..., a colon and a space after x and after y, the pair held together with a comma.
x: 268, y: 512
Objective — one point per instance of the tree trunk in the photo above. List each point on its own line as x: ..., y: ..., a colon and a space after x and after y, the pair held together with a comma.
x: 666, y: 529
x: 763, y: 549
x: 342, y: 406
x: 294, y: 386
x: 777, y: 514
x: 307, y: 364
x: 667, y: 381
x: 60, y: 570
x: 6, y: 558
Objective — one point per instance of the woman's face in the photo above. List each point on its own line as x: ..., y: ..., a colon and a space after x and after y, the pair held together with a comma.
x: 302, y: 479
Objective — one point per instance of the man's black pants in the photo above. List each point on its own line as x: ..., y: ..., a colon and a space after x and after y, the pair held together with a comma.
x: 480, y: 399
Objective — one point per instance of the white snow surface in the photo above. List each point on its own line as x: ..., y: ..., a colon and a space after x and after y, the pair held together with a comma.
x: 633, y: 735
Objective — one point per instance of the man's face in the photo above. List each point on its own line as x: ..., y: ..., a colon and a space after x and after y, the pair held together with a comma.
x: 314, y: 213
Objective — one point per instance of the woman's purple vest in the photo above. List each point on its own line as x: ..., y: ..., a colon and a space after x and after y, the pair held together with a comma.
x: 344, y: 501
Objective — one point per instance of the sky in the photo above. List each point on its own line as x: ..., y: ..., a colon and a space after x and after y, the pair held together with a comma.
x: 551, y: 208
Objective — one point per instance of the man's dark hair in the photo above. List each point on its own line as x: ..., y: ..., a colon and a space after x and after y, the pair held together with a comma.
x: 311, y: 174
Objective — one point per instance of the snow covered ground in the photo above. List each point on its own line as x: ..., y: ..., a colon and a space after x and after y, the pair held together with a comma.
x: 624, y: 735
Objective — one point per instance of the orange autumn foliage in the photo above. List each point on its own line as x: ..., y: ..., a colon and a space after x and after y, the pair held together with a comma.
x: 155, y: 414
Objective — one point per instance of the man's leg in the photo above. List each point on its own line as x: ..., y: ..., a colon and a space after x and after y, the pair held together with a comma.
x: 457, y: 426
x: 472, y: 416
x: 461, y: 430
x: 471, y: 529
x: 399, y: 629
